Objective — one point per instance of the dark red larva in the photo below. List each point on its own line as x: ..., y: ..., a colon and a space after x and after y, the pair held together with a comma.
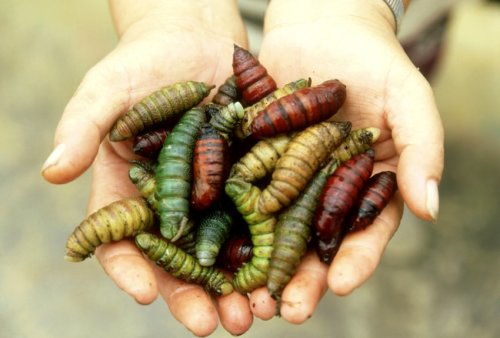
x: 252, y: 79
x: 210, y: 168
x: 338, y: 197
x: 376, y: 195
x: 149, y: 144
x: 236, y: 251
x: 300, y: 109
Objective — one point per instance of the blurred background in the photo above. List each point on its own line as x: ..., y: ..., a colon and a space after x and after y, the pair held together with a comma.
x: 435, y: 280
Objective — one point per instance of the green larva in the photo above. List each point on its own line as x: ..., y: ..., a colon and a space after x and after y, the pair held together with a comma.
x: 143, y: 176
x: 213, y: 230
x: 226, y: 119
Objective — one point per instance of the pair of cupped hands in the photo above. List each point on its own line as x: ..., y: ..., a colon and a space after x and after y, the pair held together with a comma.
x: 163, y: 42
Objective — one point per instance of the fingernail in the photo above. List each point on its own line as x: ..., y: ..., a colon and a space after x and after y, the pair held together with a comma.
x: 54, y: 157
x: 432, y: 199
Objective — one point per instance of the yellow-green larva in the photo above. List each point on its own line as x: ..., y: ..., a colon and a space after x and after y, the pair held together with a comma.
x: 143, y: 176
x: 358, y: 141
x: 164, y: 105
x: 226, y: 119
x: 182, y: 265
x: 116, y: 221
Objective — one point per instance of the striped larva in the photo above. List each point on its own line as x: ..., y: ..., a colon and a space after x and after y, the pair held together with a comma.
x: 252, y: 79
x: 182, y: 265
x: 226, y: 119
x: 174, y: 174
x: 338, y: 197
x: 213, y: 230
x: 245, y: 196
x: 300, y: 109
x: 164, y: 105
x: 305, y: 154
x: 227, y: 92
x: 376, y: 194
x: 293, y: 231
x: 143, y: 176
x: 114, y: 222
x: 243, y: 130
x: 149, y: 144
x: 358, y: 141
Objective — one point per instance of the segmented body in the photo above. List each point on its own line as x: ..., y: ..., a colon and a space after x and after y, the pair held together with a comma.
x: 305, y: 154
x: 236, y: 251
x: 261, y: 160
x: 377, y: 193
x: 213, y: 230
x: 243, y: 130
x: 299, y: 110
x: 149, y: 144
x: 143, y: 177
x: 293, y: 232
x: 117, y: 220
x: 358, y: 141
x: 336, y: 201
x: 210, y: 168
x: 227, y: 118
x: 227, y: 93
x: 245, y: 197
x: 182, y: 265
x: 161, y: 106
x: 252, y: 79
x: 174, y: 174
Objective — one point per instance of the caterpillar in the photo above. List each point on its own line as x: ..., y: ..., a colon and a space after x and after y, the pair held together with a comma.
x: 377, y: 193
x: 293, y: 231
x: 245, y: 196
x: 210, y: 168
x: 261, y: 159
x: 235, y: 251
x: 252, y: 79
x: 227, y: 118
x: 336, y: 201
x: 213, y: 230
x: 161, y: 106
x: 243, y: 129
x: 174, y: 174
x: 227, y: 93
x: 149, y: 144
x: 295, y: 111
x: 305, y: 153
x: 358, y: 141
x: 182, y: 265
x: 143, y: 176
x: 117, y: 220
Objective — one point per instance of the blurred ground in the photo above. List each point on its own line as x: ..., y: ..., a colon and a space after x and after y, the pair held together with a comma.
x: 436, y: 280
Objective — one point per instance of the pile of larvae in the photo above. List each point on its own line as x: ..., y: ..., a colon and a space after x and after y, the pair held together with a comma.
x: 246, y: 183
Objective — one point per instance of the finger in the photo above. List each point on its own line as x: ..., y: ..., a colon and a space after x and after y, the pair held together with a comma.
x: 305, y: 289
x: 126, y: 266
x: 234, y: 313
x: 102, y: 95
x: 262, y: 304
x: 418, y: 135
x: 188, y: 303
x: 360, y: 252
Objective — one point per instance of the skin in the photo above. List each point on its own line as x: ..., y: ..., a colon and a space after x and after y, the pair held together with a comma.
x: 352, y: 40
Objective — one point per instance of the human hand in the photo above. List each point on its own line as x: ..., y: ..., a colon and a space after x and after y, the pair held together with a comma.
x: 354, y: 41
x: 161, y: 42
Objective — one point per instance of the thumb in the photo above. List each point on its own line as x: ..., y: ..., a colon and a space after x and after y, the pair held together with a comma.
x: 418, y: 136
x: 85, y: 122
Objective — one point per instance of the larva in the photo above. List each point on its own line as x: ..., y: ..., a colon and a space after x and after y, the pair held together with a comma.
x: 227, y: 118
x: 182, y: 265
x: 227, y: 93
x: 245, y: 196
x: 305, y: 153
x: 243, y: 129
x: 300, y: 109
x: 143, y: 177
x: 161, y: 106
x: 376, y: 194
x: 336, y: 201
x: 210, y: 168
x: 358, y: 141
x: 149, y: 144
x: 213, y: 230
x: 252, y: 79
x: 117, y: 220
x: 261, y: 159
x: 174, y: 174
x: 236, y: 251
x: 293, y: 231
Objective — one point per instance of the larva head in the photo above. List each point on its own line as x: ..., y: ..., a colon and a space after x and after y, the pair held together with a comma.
x: 224, y: 289
x: 145, y: 241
